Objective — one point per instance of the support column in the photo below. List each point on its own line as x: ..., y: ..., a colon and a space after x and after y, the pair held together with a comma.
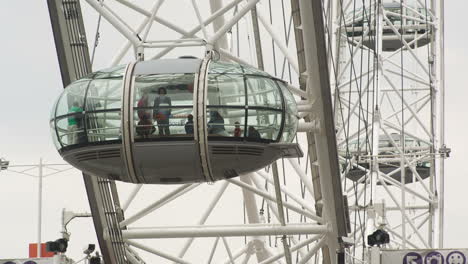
x: 222, y: 42
x: 438, y: 8
x: 318, y: 86
x: 378, y: 64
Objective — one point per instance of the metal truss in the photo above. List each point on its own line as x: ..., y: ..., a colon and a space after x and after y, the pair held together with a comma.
x: 290, y: 212
x: 389, y: 118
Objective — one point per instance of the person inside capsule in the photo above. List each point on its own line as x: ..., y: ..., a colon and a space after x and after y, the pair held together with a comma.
x: 74, y: 122
x: 216, y: 124
x: 162, y: 111
x: 189, y: 125
x: 145, y: 126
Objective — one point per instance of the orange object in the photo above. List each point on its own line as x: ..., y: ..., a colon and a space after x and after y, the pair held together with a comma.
x: 44, y: 253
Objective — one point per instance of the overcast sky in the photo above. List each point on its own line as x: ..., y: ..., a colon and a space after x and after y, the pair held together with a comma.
x: 31, y: 83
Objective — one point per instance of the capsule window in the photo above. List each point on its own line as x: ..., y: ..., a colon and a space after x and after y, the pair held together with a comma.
x: 163, y: 106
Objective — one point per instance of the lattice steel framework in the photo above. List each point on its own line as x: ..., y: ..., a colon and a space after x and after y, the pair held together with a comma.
x: 291, y: 212
x: 387, y: 62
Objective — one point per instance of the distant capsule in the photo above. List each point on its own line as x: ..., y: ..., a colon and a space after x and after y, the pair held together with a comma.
x: 175, y: 121
x: 416, y: 30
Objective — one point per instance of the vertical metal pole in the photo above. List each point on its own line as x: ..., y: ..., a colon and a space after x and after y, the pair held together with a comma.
x: 39, y: 210
x: 435, y: 144
x: 376, y: 122
x: 274, y: 165
x: 440, y: 69
x: 402, y: 144
x: 336, y: 52
x: 403, y: 189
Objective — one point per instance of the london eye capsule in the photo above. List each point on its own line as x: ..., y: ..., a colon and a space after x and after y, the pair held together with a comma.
x: 412, y: 25
x: 175, y: 121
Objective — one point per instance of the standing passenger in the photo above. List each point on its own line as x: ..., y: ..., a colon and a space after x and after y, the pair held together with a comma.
x: 216, y: 124
x: 189, y: 125
x: 74, y: 122
x: 237, y: 129
x: 162, y: 111
x: 145, y: 125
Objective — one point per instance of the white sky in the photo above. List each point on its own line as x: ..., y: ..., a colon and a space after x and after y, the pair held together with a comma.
x: 31, y: 82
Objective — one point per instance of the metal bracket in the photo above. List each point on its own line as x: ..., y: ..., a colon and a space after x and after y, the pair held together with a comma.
x: 444, y: 151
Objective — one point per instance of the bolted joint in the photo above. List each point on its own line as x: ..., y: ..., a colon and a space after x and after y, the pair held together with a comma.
x: 444, y: 151
x: 140, y: 53
x: 312, y: 126
x: 431, y: 59
x: 209, y: 47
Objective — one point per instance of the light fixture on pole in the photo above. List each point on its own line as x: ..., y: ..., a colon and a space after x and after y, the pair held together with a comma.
x: 41, y: 173
x: 4, y: 164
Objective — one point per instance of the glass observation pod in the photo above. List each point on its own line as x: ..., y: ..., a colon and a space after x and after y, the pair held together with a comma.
x: 175, y: 121
x: 389, y: 157
x: 416, y: 23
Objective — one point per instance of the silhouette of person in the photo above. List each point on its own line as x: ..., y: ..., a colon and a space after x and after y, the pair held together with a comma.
x: 253, y: 133
x: 216, y: 124
x: 162, y: 111
x: 237, y: 129
x: 189, y: 125
x: 75, y: 122
x: 145, y: 125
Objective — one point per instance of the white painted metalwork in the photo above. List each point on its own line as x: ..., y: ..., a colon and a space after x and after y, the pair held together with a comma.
x: 301, y: 197
x: 224, y: 18
x: 387, y: 64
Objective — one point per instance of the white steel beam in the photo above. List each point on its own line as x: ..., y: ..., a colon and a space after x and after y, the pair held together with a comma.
x: 351, y: 58
x: 305, y: 179
x: 406, y: 161
x: 297, y: 91
x: 164, y: 200
x: 439, y: 132
x: 232, y: 57
x: 151, y: 19
x: 132, y: 196
x: 290, y: 194
x: 156, y: 252
x: 318, y: 86
x: 270, y: 197
x: 207, y: 21
x: 205, y: 216
x: 413, y: 113
x: 299, y: 245
x: 200, y: 19
x: 313, y: 251
x: 252, y: 211
x: 115, y: 22
x: 244, y: 250
x: 228, y: 249
x: 408, y: 47
x: 281, y: 44
x: 392, y: 196
x: 227, y: 26
x: 213, y: 250
x: 224, y: 231
x: 215, y: 6
x: 274, y: 210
